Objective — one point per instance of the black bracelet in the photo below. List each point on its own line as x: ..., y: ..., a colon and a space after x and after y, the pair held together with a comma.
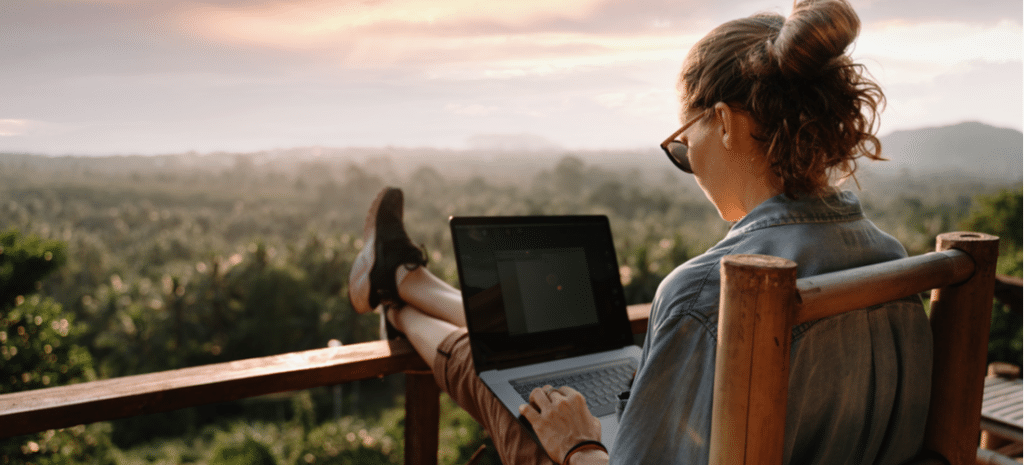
x: 588, y: 444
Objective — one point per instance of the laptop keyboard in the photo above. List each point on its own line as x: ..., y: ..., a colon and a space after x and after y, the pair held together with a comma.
x: 599, y: 384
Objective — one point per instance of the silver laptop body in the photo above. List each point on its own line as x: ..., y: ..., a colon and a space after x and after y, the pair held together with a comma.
x: 544, y: 303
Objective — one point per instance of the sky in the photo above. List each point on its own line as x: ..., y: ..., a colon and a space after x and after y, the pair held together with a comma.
x: 98, y: 77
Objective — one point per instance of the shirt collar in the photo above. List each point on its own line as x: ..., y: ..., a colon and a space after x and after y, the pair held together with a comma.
x: 779, y: 210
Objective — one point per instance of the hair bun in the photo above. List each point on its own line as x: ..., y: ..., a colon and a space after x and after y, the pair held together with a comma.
x: 817, y: 32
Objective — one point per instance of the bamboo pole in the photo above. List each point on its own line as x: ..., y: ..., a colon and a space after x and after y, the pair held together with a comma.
x: 752, y: 360
x: 960, y: 319
x: 841, y: 291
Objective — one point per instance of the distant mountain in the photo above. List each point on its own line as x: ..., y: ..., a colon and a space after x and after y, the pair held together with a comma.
x: 971, y: 150
x: 967, y: 151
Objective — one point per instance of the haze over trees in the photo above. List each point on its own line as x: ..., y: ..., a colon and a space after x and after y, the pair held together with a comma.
x: 129, y: 265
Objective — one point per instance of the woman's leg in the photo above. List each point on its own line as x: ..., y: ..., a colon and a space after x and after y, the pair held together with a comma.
x: 425, y: 332
x: 429, y: 312
x: 445, y: 347
x: 426, y: 292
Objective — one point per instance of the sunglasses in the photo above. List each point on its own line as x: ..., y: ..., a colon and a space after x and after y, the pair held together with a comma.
x: 676, y: 150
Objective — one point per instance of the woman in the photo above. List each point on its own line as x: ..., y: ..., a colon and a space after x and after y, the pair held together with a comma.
x: 774, y: 112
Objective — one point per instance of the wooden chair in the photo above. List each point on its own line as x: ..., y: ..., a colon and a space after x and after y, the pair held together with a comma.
x: 761, y: 300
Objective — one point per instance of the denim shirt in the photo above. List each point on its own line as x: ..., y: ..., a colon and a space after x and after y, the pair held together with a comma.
x: 859, y: 382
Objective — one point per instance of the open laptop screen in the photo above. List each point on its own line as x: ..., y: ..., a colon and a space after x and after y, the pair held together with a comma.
x: 545, y: 289
x: 539, y: 287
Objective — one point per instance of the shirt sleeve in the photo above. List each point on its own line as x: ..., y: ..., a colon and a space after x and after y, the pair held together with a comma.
x: 668, y: 416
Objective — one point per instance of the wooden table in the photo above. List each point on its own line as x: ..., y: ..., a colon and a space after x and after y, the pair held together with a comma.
x: 1001, y: 408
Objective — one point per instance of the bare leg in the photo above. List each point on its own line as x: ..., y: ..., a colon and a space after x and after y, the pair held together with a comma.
x: 433, y: 310
x: 431, y: 295
x: 453, y: 371
x: 424, y: 331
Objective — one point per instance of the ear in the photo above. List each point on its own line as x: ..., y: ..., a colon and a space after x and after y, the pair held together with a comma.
x: 725, y: 114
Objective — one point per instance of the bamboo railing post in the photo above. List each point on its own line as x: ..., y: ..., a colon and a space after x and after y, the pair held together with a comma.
x: 960, y: 319
x: 754, y: 334
x: 422, y: 416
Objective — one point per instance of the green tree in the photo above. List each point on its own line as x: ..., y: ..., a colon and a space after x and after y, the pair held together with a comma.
x: 38, y: 344
x: 24, y: 262
x: 1000, y: 214
x: 37, y: 338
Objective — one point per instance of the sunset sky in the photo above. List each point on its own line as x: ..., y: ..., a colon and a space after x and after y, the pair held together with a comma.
x: 98, y: 77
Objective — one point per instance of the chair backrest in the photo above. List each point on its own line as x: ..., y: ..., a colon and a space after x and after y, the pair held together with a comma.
x: 761, y: 300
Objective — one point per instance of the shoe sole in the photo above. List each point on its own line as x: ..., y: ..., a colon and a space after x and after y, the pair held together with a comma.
x: 360, y: 288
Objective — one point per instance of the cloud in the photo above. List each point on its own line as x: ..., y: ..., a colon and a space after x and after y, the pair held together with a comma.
x: 321, y: 23
x: 524, y: 142
x: 976, y: 11
x: 472, y: 109
x: 458, y: 39
x: 942, y: 42
x: 168, y: 75
x: 945, y: 72
x: 641, y: 102
x: 974, y: 91
x: 506, y: 39
x: 15, y: 127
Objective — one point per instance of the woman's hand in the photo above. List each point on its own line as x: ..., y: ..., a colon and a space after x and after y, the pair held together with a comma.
x: 561, y: 419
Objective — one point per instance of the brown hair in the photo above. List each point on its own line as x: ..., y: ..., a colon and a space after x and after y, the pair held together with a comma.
x: 815, y: 108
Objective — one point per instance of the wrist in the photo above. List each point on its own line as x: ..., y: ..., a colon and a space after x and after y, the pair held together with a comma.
x: 584, y: 447
x: 588, y: 457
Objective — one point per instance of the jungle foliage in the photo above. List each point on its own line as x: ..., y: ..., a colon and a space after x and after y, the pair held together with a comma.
x: 124, y: 265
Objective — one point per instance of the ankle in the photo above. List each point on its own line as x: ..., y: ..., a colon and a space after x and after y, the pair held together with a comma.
x: 392, y: 314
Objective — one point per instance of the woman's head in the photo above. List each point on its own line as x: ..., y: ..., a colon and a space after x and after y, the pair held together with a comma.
x: 814, y: 111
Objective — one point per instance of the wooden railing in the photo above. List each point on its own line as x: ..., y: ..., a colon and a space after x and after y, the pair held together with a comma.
x: 59, y: 407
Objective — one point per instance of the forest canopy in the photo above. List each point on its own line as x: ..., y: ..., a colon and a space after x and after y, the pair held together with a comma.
x: 128, y: 265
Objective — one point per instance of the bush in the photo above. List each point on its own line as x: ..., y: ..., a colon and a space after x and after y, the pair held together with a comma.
x: 249, y: 452
x: 38, y: 348
x: 79, y: 444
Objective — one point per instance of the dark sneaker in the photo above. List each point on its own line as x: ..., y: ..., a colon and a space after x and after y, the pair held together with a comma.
x: 386, y: 246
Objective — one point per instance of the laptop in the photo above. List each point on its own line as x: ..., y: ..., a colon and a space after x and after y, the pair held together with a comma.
x: 544, y: 305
